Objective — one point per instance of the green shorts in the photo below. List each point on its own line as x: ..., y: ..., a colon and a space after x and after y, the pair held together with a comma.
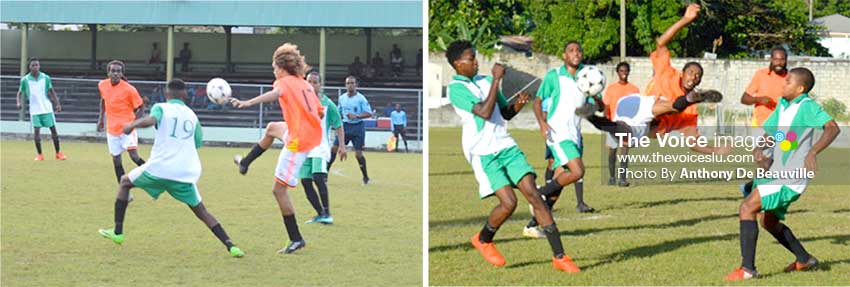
x: 312, y: 165
x: 154, y: 186
x: 776, y: 198
x: 43, y: 120
x: 495, y: 171
x: 564, y: 152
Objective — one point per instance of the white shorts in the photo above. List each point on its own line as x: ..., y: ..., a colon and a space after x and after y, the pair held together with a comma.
x: 288, y: 164
x: 120, y: 143
x: 635, y: 110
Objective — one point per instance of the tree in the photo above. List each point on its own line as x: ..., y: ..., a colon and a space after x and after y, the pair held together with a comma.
x: 589, y: 22
x: 481, y: 22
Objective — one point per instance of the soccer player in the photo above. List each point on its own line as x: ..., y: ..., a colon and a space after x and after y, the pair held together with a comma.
x: 303, y: 114
x: 315, y: 167
x: 399, y: 122
x: 120, y: 104
x: 36, y: 86
x: 764, y: 92
x: 497, y: 162
x: 173, y: 167
x: 792, y: 125
x: 613, y: 94
x: 354, y: 108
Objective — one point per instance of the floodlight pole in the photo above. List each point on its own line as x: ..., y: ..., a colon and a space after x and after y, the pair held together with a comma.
x: 322, y: 55
x: 169, y: 63
x: 622, y: 30
x: 24, y: 67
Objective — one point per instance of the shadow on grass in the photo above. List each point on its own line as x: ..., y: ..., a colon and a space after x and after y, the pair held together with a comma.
x: 822, y: 266
x: 841, y: 210
x: 656, y: 249
x: 676, y: 201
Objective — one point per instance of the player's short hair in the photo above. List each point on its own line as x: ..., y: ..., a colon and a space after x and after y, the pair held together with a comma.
x: 32, y: 59
x: 316, y: 73
x: 779, y: 49
x: 116, y: 62
x: 570, y: 42
x: 455, y: 50
x: 176, y: 85
x: 805, y: 78
x: 353, y: 78
x: 289, y: 58
x: 623, y: 64
x: 689, y: 64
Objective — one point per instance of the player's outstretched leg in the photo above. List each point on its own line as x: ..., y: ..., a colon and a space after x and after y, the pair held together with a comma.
x: 288, y: 212
x: 783, y: 234
x: 681, y: 103
x: 116, y: 234
x: 483, y: 240
x: 560, y: 260
x: 321, y: 180
x: 55, y: 135
x: 208, y: 219
x: 36, y: 137
x: 134, y: 156
x: 273, y: 130
x: 749, y: 235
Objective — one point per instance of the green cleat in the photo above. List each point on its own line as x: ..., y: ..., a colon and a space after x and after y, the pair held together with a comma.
x: 236, y: 252
x: 317, y: 218
x: 110, y: 234
x: 326, y: 219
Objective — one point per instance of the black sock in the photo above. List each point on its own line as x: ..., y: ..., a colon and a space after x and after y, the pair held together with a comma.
x: 612, y: 163
x: 292, y: 228
x: 550, y: 202
x: 319, y: 179
x: 625, y: 166
x: 794, y: 245
x: 362, y: 162
x: 405, y: 145
x: 37, y: 145
x: 554, y: 238
x: 311, y: 195
x: 551, y: 188
x: 56, y: 143
x: 137, y: 160
x: 256, y: 151
x: 549, y: 174
x: 119, y: 168
x: 120, y: 210
x: 681, y: 103
x: 606, y: 125
x: 333, y: 158
x: 487, y: 233
x: 748, y: 186
x: 749, y: 236
x: 222, y: 236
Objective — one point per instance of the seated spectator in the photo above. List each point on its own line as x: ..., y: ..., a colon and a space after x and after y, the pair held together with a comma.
x: 156, y: 55
x: 356, y: 68
x: 185, y: 56
x: 396, y: 51
x: 397, y: 64
x: 378, y: 65
x: 388, y: 109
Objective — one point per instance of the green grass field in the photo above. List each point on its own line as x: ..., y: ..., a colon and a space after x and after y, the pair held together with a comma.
x: 51, y: 212
x: 642, y: 235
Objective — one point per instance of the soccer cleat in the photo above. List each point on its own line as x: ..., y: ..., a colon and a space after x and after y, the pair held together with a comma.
x: 60, y: 156
x: 236, y: 252
x: 293, y: 246
x: 583, y: 208
x: 704, y: 96
x: 110, y: 234
x: 623, y: 183
x: 586, y: 110
x: 565, y: 263
x: 317, y: 218
x: 612, y: 181
x: 237, y: 159
x: 533, y: 232
x: 326, y: 219
x: 365, y: 181
x: 741, y: 273
x: 797, y: 266
x: 39, y: 157
x: 488, y: 250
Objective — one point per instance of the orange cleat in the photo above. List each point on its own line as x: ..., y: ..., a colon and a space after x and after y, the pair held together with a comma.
x: 39, y: 157
x: 741, y: 273
x: 565, y: 264
x: 488, y: 250
x: 60, y: 156
x: 797, y: 266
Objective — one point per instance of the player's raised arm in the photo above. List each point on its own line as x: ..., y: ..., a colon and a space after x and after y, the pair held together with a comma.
x: 690, y: 15
x: 485, y: 109
x: 144, y: 122
x: 264, y: 98
x: 509, y: 111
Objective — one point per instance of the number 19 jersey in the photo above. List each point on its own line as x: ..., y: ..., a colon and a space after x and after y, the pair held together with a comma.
x: 175, y: 149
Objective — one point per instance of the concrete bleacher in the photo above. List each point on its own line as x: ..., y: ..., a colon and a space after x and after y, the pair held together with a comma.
x: 80, y: 101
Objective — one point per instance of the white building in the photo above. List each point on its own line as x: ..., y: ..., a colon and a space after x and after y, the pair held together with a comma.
x: 836, y: 38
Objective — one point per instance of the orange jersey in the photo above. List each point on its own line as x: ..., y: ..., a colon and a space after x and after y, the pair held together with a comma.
x: 613, y: 94
x: 765, y: 83
x: 119, y: 102
x: 666, y: 85
x: 301, y: 112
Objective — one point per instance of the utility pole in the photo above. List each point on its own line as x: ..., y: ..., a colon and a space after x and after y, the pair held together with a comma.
x: 811, y: 3
x: 623, y: 30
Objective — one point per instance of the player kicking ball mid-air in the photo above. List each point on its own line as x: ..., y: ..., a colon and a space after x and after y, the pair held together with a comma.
x: 497, y: 162
x: 173, y: 166
x: 792, y: 125
x: 302, y: 114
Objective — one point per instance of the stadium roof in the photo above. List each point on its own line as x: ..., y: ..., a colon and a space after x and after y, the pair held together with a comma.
x: 359, y: 14
x: 835, y: 23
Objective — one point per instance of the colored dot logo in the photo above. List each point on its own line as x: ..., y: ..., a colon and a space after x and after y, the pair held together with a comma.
x: 788, y: 141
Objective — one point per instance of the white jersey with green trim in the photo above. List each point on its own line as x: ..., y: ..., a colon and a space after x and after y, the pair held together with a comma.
x: 323, y: 150
x: 175, y: 155
x: 480, y: 136
x: 565, y: 97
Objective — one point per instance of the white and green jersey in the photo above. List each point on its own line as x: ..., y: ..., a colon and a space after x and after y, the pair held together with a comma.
x: 480, y: 136
x: 793, y: 124
x: 560, y: 88
x: 36, y: 90
x: 331, y: 120
x: 175, y: 148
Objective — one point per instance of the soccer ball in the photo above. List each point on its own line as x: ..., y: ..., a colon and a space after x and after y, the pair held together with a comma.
x: 218, y: 90
x: 591, y: 81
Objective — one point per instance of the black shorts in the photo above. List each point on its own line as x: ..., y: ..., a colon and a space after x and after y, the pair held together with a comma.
x: 355, y: 134
x: 398, y: 129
